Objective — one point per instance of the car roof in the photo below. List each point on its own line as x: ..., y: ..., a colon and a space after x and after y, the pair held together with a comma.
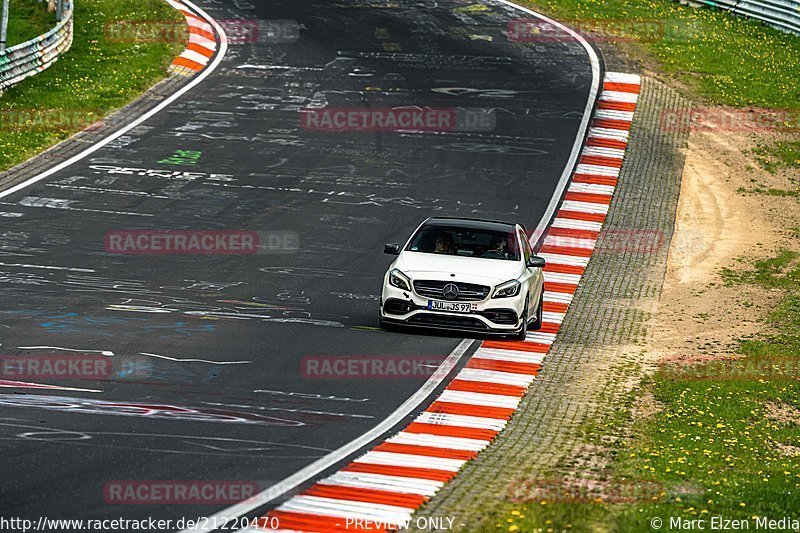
x: 471, y: 223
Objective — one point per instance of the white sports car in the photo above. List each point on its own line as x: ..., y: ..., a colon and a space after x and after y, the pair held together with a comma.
x: 465, y: 274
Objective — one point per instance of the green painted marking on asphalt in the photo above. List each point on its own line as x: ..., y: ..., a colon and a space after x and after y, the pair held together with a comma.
x: 183, y: 157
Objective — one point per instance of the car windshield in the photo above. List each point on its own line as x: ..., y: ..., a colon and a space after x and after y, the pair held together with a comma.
x: 467, y: 242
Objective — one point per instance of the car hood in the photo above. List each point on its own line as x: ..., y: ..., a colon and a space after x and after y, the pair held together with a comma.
x: 467, y: 269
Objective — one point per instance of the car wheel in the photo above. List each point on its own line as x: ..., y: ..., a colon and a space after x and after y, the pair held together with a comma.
x: 523, y: 330
x: 537, y: 322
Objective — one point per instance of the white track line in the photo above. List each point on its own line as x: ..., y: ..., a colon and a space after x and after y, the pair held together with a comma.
x: 318, y: 466
x: 566, y: 174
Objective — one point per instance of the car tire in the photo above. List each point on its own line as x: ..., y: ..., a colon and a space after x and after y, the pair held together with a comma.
x: 537, y: 323
x: 523, y: 330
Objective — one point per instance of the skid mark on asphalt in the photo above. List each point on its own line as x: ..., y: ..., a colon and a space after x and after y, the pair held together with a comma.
x: 154, y: 411
x: 178, y: 443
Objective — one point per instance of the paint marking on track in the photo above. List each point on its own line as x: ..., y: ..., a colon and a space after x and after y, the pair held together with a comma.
x: 59, y: 348
x: 6, y: 384
x: 178, y: 360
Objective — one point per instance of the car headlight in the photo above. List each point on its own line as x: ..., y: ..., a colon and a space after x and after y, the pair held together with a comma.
x: 399, y: 280
x: 507, y: 290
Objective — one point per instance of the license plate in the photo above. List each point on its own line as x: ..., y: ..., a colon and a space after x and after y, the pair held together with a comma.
x: 454, y: 307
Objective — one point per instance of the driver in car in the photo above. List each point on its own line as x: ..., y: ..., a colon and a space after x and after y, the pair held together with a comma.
x: 497, y: 249
x: 445, y: 244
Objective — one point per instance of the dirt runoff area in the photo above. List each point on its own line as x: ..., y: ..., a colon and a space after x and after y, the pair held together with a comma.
x: 723, y: 222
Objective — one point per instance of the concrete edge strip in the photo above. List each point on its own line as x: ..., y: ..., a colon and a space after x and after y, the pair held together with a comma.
x: 188, y: 7
x: 381, y: 489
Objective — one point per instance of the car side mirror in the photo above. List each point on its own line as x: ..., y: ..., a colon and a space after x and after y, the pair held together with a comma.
x: 393, y: 248
x: 535, y: 261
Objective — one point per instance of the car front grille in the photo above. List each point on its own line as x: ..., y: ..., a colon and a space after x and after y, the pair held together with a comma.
x: 467, y: 292
x: 393, y: 306
x: 501, y: 316
x: 448, y: 321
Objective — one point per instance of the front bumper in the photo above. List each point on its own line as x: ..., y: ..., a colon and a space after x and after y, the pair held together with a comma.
x: 500, y: 315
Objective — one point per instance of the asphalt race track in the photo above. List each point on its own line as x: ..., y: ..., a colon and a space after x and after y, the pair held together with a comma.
x: 207, y: 377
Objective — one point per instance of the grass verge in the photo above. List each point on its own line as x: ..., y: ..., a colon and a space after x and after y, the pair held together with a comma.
x: 100, y: 73
x: 779, y: 155
x: 721, y: 57
x: 28, y: 19
x: 724, y: 443
x: 724, y: 438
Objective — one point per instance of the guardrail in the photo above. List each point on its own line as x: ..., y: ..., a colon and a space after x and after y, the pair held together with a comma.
x: 31, y: 57
x: 781, y: 14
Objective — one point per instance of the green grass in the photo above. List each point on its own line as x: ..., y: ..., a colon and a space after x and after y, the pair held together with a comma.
x: 779, y: 272
x: 778, y: 155
x: 97, y: 75
x: 771, y: 192
x: 723, y: 58
x: 28, y: 19
x: 713, y: 448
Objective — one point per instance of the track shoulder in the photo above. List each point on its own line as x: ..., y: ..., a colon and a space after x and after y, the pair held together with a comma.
x: 598, y: 357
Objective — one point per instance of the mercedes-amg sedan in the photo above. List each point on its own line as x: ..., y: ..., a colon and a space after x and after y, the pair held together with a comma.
x: 465, y: 274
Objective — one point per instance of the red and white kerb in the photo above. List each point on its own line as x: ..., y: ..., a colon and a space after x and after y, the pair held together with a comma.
x: 388, y: 483
x: 202, y: 41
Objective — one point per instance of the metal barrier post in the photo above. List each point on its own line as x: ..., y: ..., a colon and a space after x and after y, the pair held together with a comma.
x: 27, y: 59
x: 781, y: 14
x: 4, y: 26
